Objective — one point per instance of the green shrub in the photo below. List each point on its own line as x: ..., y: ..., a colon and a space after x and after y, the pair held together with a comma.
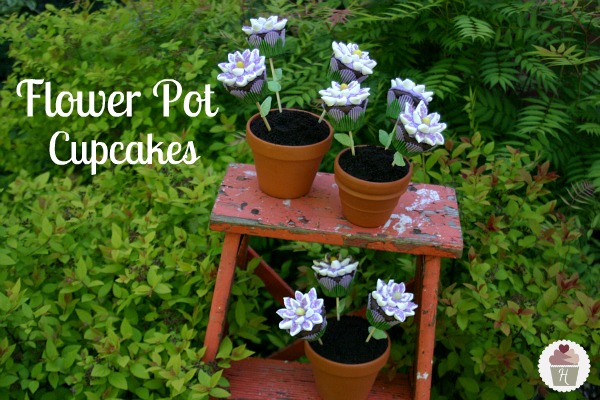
x: 107, y: 280
x: 115, y: 49
x: 15, y: 5
x: 516, y: 289
x: 106, y: 287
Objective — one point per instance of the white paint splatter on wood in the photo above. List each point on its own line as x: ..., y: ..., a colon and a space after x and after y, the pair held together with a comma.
x: 403, y: 222
x: 422, y: 376
x: 425, y: 197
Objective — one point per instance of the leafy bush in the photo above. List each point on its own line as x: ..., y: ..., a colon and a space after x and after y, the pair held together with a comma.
x: 516, y: 291
x: 15, y: 5
x: 118, y: 48
x: 106, y: 287
x: 102, y: 276
x: 521, y: 73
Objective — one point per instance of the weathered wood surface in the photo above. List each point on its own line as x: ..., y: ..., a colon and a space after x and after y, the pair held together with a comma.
x: 218, y: 306
x: 426, y: 296
x: 426, y: 220
x: 260, y: 379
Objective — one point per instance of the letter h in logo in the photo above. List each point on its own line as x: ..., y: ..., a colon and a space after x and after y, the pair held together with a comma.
x: 563, y: 372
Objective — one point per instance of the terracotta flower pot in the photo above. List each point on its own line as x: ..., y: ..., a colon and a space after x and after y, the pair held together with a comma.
x: 368, y: 204
x: 337, y: 381
x: 286, y: 172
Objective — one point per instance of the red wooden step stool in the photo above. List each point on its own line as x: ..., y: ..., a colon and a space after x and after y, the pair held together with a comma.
x: 425, y: 223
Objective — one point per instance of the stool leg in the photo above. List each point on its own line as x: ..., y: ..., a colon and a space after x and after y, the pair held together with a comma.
x: 426, y: 291
x: 218, y: 308
x: 242, y: 254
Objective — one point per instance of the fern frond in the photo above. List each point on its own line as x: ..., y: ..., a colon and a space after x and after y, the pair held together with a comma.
x: 594, y: 173
x: 451, y: 43
x: 517, y: 8
x: 441, y: 80
x: 404, y: 10
x: 590, y: 128
x: 562, y: 56
x: 575, y: 162
x: 494, y: 108
x: 545, y: 116
x: 473, y: 28
x: 583, y: 192
x: 538, y: 73
x: 590, y: 79
x: 498, y: 68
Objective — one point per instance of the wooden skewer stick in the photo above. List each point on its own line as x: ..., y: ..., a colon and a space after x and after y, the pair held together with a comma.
x: 322, y: 115
x: 263, y: 117
x: 370, y: 335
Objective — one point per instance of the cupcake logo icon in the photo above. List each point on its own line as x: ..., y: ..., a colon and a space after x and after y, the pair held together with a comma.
x: 564, y: 365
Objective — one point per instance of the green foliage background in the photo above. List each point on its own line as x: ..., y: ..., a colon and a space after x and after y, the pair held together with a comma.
x: 106, y: 281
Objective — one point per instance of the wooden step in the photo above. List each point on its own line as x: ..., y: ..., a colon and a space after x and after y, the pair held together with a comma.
x: 262, y: 379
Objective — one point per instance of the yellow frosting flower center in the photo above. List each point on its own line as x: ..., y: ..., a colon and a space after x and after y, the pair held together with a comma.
x: 300, y: 311
x: 342, y: 86
x: 426, y: 120
x: 357, y: 52
x: 240, y: 64
x: 397, y: 296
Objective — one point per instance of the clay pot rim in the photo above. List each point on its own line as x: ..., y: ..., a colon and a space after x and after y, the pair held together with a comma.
x: 329, y: 137
x: 354, y: 181
x: 352, y: 369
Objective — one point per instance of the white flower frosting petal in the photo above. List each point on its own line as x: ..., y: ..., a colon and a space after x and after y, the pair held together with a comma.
x: 332, y: 266
x: 301, y: 313
x: 242, y: 68
x: 344, y: 94
x: 264, y: 25
x: 407, y: 86
x: 393, y: 300
x: 424, y: 127
x: 352, y: 57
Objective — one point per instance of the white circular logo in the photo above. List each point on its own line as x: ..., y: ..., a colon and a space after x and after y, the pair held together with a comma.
x: 564, y: 365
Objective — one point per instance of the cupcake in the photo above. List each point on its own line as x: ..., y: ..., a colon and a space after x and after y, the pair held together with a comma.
x: 389, y: 304
x: 564, y: 366
x: 335, y: 274
x: 303, y: 315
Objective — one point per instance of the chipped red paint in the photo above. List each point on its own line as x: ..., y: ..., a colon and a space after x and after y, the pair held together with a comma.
x: 256, y: 379
x: 425, y: 222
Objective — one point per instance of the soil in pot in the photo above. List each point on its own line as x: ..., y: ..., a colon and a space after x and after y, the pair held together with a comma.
x: 290, y: 128
x: 344, y: 341
x: 373, y: 164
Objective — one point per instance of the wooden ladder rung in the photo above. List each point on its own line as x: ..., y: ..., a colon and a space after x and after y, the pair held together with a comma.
x: 259, y: 379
